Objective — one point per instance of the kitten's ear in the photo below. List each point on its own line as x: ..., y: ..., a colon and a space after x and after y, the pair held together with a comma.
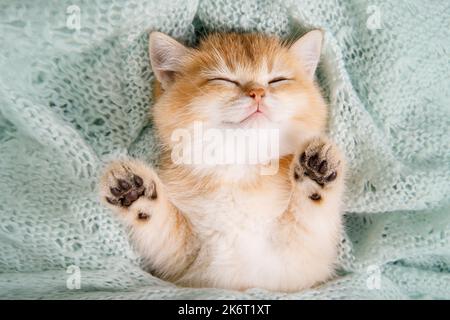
x: 166, y: 55
x: 307, y: 49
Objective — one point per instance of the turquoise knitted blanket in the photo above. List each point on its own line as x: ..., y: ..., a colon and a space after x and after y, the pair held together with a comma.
x: 75, y: 93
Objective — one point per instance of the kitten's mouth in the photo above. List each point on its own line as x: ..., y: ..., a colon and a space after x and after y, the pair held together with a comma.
x: 256, y: 114
x: 253, y: 115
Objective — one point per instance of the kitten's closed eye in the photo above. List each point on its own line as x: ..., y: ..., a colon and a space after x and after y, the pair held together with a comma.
x: 224, y: 80
x: 278, y: 80
x: 236, y: 83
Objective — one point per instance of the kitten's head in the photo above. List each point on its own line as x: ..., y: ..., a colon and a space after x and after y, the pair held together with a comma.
x: 238, y: 81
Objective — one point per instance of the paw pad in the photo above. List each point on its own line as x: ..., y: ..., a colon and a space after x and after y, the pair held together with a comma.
x: 315, y: 197
x: 318, y: 162
x: 143, y: 216
x: 126, y: 191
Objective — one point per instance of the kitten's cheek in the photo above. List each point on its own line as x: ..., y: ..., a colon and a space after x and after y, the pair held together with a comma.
x: 276, y: 110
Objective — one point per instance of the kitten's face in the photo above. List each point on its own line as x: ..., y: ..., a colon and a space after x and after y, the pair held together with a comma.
x: 238, y: 81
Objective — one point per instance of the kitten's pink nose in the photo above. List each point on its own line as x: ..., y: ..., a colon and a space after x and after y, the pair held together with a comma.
x: 257, y: 93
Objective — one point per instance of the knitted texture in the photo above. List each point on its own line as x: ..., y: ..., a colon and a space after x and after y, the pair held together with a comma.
x: 75, y: 93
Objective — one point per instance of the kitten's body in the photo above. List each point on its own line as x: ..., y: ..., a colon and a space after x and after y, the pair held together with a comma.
x: 229, y: 226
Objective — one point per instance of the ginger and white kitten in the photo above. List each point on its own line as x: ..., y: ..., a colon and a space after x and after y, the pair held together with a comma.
x: 225, y: 225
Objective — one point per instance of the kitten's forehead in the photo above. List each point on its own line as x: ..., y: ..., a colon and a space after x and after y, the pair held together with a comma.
x: 240, y: 54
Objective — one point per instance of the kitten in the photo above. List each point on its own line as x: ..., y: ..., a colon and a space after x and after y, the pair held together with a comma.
x: 228, y: 225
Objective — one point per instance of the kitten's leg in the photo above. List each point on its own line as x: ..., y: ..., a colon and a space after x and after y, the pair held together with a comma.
x: 317, y: 175
x: 159, y: 232
x: 310, y: 228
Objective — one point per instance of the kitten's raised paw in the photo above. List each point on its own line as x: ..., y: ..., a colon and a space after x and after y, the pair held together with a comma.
x: 320, y: 162
x: 124, y: 187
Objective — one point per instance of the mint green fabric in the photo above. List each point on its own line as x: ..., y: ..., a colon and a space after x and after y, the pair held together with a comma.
x: 72, y: 99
